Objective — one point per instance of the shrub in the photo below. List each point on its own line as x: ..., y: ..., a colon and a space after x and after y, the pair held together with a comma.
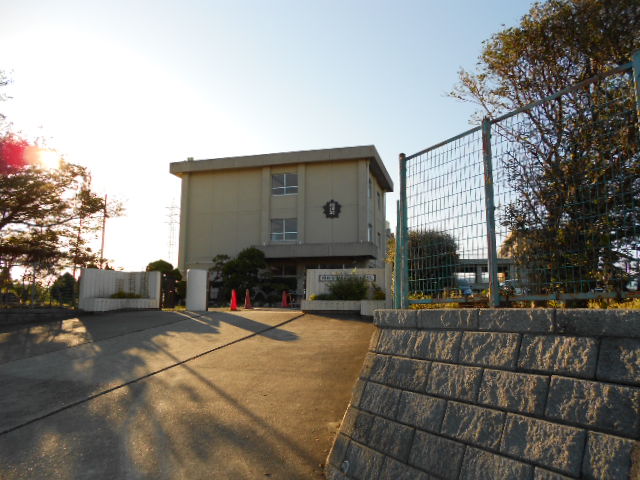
x: 348, y: 288
x: 122, y: 294
x: 63, y: 289
x: 323, y: 296
x: 378, y: 293
x: 627, y: 303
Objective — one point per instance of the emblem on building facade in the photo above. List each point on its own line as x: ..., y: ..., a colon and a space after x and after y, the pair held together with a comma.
x: 331, y: 209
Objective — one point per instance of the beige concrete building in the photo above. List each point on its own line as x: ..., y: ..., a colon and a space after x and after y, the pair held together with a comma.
x: 309, y: 209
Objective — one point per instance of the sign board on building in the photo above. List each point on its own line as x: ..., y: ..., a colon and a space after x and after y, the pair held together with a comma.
x: 333, y: 278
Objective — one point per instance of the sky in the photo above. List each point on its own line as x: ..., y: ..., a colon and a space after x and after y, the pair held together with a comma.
x: 127, y: 87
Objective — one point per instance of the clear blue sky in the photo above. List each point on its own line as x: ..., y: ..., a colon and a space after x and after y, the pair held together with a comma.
x: 126, y: 87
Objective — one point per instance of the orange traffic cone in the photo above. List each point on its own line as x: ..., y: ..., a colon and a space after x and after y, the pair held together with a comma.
x: 247, y: 299
x: 234, y: 301
x: 285, y: 299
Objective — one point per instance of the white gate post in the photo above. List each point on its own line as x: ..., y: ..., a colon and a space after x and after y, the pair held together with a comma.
x: 197, y: 290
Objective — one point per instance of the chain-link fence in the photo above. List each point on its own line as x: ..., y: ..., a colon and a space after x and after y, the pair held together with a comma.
x: 542, y: 203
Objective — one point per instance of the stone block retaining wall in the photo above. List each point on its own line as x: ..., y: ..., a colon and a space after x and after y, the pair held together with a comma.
x: 495, y: 394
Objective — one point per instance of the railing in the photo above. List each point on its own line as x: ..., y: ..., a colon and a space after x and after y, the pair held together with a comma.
x: 542, y: 203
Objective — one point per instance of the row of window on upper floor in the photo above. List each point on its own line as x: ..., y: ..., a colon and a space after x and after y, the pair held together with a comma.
x: 287, y: 184
x: 286, y: 229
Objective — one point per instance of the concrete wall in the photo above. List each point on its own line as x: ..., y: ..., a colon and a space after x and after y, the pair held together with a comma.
x: 97, y: 286
x: 108, y: 304
x: 495, y: 394
x: 26, y: 315
x: 363, y: 307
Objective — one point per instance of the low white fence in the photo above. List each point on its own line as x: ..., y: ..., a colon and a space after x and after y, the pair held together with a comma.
x: 98, y: 286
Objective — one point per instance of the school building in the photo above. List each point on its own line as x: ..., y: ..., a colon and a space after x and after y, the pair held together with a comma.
x: 309, y: 209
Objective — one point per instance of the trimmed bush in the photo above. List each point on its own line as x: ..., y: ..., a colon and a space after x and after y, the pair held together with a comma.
x: 322, y: 296
x: 348, y: 288
x: 122, y: 294
x: 378, y: 293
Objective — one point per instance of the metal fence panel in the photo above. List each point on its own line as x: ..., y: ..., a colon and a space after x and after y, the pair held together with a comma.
x: 548, y: 209
x: 446, y: 216
x: 567, y: 191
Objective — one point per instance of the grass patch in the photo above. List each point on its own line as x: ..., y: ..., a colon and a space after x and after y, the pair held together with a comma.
x: 606, y: 303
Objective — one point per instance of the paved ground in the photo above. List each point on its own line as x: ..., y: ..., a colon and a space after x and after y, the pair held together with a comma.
x: 175, y: 395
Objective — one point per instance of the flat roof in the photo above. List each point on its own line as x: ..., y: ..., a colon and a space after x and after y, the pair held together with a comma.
x: 368, y: 152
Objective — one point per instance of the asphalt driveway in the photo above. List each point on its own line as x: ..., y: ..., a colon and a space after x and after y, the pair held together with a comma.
x: 253, y: 394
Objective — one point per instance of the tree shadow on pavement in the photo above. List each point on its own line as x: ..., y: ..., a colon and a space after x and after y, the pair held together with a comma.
x: 26, y: 341
x: 98, y: 410
x: 264, y: 329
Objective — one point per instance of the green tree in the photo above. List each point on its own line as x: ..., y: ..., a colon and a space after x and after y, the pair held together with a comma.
x: 574, y: 166
x: 63, y: 289
x: 432, y: 261
x: 47, y: 216
x: 173, y: 287
x: 159, y: 266
x: 244, y: 271
x: 557, y: 44
x: 40, y: 214
x: 219, y: 262
x: 248, y: 270
x: 165, y: 267
x: 390, y: 258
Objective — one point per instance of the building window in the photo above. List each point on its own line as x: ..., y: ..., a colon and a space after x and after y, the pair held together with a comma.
x: 484, y: 278
x: 284, y: 274
x: 284, y: 183
x: 370, y: 233
x: 283, y: 270
x: 467, y: 276
x: 283, y: 229
x: 370, y: 188
x: 379, y: 200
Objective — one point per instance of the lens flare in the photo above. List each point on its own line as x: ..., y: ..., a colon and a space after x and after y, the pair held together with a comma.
x: 48, y: 158
x: 13, y: 153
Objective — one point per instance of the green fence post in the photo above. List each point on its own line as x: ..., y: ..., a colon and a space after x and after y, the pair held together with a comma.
x: 397, y: 291
x: 494, y: 287
x: 404, y: 234
x: 635, y: 59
